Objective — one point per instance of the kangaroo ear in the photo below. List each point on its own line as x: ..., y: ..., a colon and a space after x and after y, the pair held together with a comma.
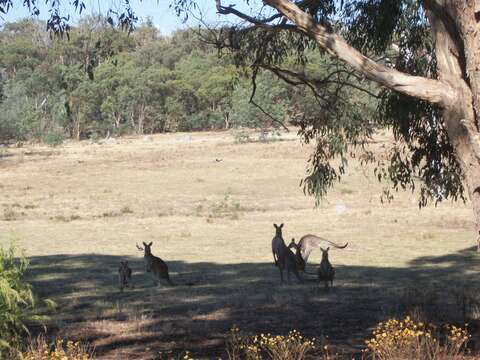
x: 151, y: 242
x: 328, y: 248
x: 322, y: 249
x: 281, y: 226
x: 275, y: 226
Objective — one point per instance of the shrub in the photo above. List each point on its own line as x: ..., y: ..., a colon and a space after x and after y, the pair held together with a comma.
x: 126, y: 210
x: 241, y: 136
x: 275, y: 347
x: 53, y: 138
x: 201, y: 121
x: 407, y: 339
x: 267, y: 135
x: 40, y: 350
x: 16, y: 299
x: 9, y: 214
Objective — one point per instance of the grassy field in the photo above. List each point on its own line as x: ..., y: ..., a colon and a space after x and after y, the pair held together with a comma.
x: 79, y: 209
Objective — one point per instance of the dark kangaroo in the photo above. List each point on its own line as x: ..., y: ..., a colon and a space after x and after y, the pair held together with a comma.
x: 283, y: 257
x: 301, y: 265
x: 298, y: 256
x: 326, y: 272
x: 154, y: 265
x: 309, y: 242
x: 124, y: 275
x: 277, y: 242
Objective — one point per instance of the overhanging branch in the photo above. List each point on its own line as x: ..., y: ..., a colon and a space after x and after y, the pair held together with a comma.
x: 252, y: 95
x: 230, y: 10
x: 315, y: 83
x: 435, y: 91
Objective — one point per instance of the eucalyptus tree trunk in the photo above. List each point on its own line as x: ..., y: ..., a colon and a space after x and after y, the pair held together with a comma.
x: 141, y: 119
x: 456, y: 32
x: 226, y: 119
x: 455, y: 27
x: 77, y: 128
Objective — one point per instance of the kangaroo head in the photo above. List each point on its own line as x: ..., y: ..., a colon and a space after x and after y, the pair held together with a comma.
x: 294, y: 245
x: 148, y: 248
x: 278, y: 229
x: 325, y: 253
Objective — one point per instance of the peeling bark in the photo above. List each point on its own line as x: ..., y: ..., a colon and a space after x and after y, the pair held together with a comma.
x: 467, y: 17
x: 460, y: 116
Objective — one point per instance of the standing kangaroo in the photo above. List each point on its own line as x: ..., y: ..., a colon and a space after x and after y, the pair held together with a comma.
x: 309, y: 242
x: 277, y: 242
x: 326, y: 272
x: 124, y: 275
x: 283, y: 256
x: 298, y: 256
x: 154, y: 265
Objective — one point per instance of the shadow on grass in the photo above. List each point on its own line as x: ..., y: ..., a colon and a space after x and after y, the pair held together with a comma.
x: 198, y: 317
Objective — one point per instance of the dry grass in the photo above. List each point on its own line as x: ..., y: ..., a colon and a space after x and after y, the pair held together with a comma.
x: 79, y: 210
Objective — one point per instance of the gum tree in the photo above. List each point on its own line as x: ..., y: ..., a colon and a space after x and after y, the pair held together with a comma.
x: 424, y: 56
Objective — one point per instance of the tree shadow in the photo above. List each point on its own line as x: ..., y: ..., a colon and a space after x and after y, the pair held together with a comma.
x: 208, y: 298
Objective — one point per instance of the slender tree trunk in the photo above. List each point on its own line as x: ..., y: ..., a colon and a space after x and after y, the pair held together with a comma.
x: 226, y: 118
x: 132, y: 120
x: 141, y: 119
x: 77, y: 129
x: 117, y: 122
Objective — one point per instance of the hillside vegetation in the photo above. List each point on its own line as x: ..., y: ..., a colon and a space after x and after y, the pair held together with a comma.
x: 101, y: 81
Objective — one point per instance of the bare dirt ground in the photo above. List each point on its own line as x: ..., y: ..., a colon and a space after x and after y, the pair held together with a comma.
x: 208, y: 204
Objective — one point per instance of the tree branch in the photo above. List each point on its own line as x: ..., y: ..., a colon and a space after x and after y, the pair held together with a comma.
x: 286, y: 76
x: 254, y: 89
x: 227, y: 10
x: 435, y: 91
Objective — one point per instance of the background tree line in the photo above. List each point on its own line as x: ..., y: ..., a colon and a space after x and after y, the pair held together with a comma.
x: 102, y: 81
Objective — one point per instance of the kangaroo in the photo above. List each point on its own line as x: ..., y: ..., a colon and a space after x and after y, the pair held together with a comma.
x: 298, y: 256
x: 277, y: 242
x: 326, y: 272
x: 309, y: 242
x: 124, y: 275
x: 154, y: 265
x: 283, y: 256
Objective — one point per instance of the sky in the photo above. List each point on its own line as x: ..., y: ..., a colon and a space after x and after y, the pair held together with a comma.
x: 164, y: 18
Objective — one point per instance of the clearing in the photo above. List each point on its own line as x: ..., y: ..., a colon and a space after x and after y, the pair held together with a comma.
x: 208, y: 204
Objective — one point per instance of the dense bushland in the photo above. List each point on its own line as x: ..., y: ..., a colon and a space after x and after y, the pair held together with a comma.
x: 102, y: 81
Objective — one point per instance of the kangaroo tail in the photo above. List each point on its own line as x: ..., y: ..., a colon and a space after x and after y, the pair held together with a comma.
x: 338, y: 246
